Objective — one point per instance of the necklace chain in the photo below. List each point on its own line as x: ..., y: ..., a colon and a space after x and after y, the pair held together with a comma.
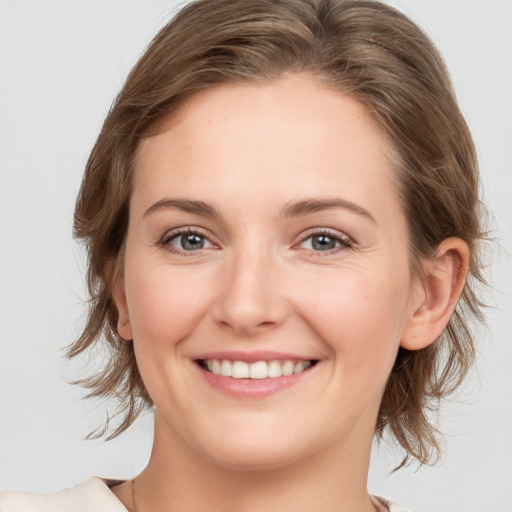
x: 133, y: 495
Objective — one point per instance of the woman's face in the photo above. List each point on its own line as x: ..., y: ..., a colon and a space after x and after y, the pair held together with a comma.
x: 266, y: 237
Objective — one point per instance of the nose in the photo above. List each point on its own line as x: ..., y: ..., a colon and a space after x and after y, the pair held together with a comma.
x: 251, y: 299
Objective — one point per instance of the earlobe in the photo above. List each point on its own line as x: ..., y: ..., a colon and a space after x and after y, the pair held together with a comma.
x: 437, y: 294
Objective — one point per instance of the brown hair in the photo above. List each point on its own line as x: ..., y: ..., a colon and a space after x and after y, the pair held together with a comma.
x: 360, y: 47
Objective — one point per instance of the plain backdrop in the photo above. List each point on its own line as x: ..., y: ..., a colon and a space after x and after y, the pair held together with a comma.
x: 61, y: 64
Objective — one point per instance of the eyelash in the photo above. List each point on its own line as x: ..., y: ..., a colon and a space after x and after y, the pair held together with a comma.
x: 343, y: 241
x: 179, y: 232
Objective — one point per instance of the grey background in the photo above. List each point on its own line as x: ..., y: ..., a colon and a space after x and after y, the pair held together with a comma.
x: 61, y: 63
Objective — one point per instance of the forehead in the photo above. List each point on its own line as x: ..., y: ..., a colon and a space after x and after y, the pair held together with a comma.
x: 291, y: 136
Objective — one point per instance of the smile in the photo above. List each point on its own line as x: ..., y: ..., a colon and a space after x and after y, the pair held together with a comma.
x: 255, y: 370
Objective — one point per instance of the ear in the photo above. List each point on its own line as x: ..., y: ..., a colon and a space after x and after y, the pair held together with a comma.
x: 436, y: 294
x: 124, y: 328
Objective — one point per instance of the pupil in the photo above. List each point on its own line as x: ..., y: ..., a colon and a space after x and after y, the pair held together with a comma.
x: 191, y: 242
x: 323, y: 243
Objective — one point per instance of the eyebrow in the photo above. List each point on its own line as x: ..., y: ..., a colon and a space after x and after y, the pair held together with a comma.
x: 186, y: 205
x: 292, y: 209
x: 299, y: 208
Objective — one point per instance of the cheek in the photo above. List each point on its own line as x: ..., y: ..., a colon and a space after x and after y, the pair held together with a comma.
x: 359, y: 316
x: 164, y: 306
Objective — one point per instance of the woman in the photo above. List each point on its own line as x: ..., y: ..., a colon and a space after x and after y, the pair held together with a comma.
x: 281, y: 213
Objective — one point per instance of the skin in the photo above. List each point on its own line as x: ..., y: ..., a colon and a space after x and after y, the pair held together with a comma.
x: 258, y: 283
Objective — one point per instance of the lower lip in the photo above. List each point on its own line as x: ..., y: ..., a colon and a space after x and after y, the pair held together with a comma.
x: 253, y: 388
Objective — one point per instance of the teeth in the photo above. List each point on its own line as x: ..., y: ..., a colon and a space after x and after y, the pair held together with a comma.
x: 239, y: 369
x: 257, y: 370
x: 274, y: 369
x: 216, y: 367
x: 287, y: 368
x: 299, y: 367
x: 225, y: 369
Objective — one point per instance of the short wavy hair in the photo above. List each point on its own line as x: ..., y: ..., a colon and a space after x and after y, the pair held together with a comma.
x: 360, y: 47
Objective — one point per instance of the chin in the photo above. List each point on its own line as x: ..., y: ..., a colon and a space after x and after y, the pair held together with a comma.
x: 258, y: 458
x: 252, y: 450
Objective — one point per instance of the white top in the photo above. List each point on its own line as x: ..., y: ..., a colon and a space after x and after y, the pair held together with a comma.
x: 94, y: 495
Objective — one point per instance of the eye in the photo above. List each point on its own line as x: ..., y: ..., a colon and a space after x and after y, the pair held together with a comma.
x: 186, y: 240
x: 325, y: 241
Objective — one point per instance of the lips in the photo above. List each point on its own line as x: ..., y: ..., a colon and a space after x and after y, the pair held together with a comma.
x: 237, y: 369
x: 254, y: 375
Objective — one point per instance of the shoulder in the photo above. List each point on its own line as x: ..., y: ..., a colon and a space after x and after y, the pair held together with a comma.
x: 93, y: 494
x: 384, y: 504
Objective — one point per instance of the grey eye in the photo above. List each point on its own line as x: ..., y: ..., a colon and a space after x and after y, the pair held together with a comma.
x: 321, y: 242
x: 190, y: 242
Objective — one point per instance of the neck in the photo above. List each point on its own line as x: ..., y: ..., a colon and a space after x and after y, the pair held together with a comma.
x: 178, y: 478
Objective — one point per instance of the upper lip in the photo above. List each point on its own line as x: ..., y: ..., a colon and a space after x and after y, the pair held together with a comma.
x: 253, y: 356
